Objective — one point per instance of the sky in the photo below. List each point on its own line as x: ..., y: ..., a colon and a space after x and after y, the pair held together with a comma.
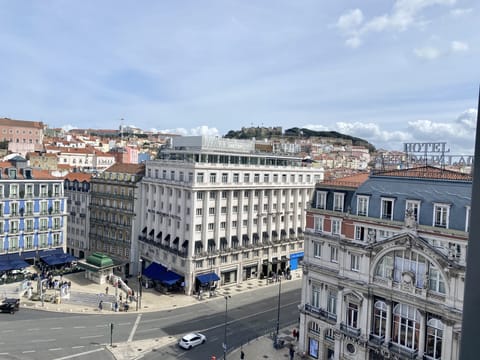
x: 390, y: 72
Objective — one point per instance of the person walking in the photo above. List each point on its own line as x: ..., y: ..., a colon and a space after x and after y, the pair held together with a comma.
x: 100, y: 305
x: 106, y: 290
x: 291, y: 352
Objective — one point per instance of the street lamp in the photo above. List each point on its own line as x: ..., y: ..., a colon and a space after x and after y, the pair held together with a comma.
x: 139, y: 290
x: 225, y: 330
x: 278, y: 312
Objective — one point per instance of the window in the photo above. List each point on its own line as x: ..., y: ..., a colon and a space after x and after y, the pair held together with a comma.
x: 387, y: 209
x: 413, y: 207
x: 224, y: 178
x: 332, y: 302
x: 336, y: 226
x: 406, y: 326
x: 318, y: 224
x: 213, y: 178
x: 354, y: 262
x: 433, y: 347
x: 435, y: 280
x: 211, y: 226
x: 317, y: 249
x: 198, y: 211
x: 362, y: 205
x: 379, y: 318
x: 315, y: 301
x: 441, y: 215
x: 256, y: 178
x: 352, y: 315
x: 211, y: 211
x: 235, y: 177
x: 200, y: 195
x: 321, y: 200
x: 223, y: 210
x: 338, y: 201
x: 198, y: 227
x: 213, y: 195
x: 334, y: 254
x: 199, y: 177
x: 246, y: 178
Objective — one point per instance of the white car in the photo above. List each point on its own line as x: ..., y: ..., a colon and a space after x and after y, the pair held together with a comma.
x: 191, y: 340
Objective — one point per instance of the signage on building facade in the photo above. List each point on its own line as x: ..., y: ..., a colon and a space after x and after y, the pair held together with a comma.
x: 432, y: 153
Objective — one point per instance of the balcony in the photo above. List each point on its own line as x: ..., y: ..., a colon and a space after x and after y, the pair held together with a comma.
x: 404, y: 352
x: 321, y: 314
x: 376, y: 340
x: 350, y: 330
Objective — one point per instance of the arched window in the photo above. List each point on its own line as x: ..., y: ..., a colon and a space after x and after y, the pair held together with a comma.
x: 379, y: 318
x: 433, y: 347
x: 399, y: 262
x: 406, y: 326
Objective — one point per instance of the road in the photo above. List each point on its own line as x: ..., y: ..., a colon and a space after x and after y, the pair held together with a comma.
x: 32, y: 334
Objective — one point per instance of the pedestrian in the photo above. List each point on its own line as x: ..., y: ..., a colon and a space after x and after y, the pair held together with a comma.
x: 294, y: 333
x: 291, y: 352
x: 100, y: 305
x: 298, y: 335
x: 120, y: 297
x: 106, y: 290
x: 116, y: 306
x: 242, y: 354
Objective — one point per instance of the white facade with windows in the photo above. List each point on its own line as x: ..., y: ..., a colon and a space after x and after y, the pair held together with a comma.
x: 217, y: 205
x: 391, y: 284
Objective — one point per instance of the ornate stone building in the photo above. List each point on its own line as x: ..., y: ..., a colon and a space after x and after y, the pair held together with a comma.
x: 384, y: 266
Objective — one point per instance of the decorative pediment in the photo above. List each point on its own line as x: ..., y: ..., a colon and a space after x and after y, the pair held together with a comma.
x: 412, y: 242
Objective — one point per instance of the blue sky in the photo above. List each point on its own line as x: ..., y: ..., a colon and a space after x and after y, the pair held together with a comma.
x: 387, y: 71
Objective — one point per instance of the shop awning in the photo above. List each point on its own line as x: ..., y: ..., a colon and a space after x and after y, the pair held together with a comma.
x: 29, y: 255
x: 159, y: 235
x: 151, y: 232
x: 207, y: 278
x: 292, y: 232
x: 185, y: 244
x: 12, y: 262
x: 167, y: 238
x: 160, y: 273
x: 176, y: 240
x: 58, y: 259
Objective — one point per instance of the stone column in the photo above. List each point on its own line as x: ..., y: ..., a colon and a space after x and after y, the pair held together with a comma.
x: 388, y: 330
x: 421, y: 342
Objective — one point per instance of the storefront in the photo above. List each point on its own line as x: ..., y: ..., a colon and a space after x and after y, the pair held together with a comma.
x: 229, y: 277
x: 295, y: 259
x: 250, y: 272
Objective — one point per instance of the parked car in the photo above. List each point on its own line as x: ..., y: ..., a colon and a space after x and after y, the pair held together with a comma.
x: 10, y: 305
x: 191, y: 340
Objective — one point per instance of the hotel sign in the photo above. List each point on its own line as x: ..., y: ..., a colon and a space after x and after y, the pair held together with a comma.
x: 434, y: 153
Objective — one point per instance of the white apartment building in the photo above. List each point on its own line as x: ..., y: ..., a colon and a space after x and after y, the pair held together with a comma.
x: 217, y: 209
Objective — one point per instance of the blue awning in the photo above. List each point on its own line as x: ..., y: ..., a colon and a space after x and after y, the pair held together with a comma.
x: 160, y: 273
x: 56, y: 257
x: 207, y: 278
x: 12, y: 262
x: 29, y: 254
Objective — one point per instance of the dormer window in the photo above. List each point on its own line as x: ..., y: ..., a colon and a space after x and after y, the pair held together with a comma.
x: 338, y: 201
x: 13, y: 191
x: 12, y: 173
x: 387, y: 209
x: 27, y: 173
x: 441, y: 214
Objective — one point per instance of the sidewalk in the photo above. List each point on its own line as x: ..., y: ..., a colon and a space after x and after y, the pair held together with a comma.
x: 153, y: 300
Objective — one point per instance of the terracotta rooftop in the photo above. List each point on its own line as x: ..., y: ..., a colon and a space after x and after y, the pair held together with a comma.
x: 78, y: 176
x: 425, y: 172
x: 21, y: 123
x: 352, y: 181
x: 127, y: 168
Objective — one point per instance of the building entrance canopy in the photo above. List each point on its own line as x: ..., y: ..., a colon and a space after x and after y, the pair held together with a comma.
x: 160, y: 273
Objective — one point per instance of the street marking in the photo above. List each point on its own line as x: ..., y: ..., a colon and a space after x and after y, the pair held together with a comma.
x: 56, y: 328
x: 78, y: 347
x: 90, y: 336
x: 55, y: 349
x: 127, y: 323
x: 7, y: 330
x: 28, y: 351
x: 36, y: 329
x: 3, y: 353
x: 132, y: 333
x: 148, y: 330
x: 43, y: 340
x: 101, y: 325
x: 80, y: 354
x: 79, y: 327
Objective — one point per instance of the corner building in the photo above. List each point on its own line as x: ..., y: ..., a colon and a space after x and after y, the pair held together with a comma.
x: 220, y: 208
x: 384, y: 266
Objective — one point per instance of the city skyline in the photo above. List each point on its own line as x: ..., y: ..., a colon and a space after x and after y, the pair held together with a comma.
x: 389, y: 73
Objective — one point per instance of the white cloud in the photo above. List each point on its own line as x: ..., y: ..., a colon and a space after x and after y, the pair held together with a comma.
x: 353, y: 42
x: 350, y: 20
x: 468, y: 118
x: 460, y: 12
x: 404, y: 15
x: 199, y: 130
x: 428, y: 52
x: 458, y: 46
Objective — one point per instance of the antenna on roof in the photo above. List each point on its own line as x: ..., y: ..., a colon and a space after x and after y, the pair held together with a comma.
x: 121, y: 130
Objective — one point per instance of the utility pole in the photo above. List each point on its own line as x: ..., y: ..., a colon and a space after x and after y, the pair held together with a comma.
x: 225, y: 328
x: 278, y: 311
